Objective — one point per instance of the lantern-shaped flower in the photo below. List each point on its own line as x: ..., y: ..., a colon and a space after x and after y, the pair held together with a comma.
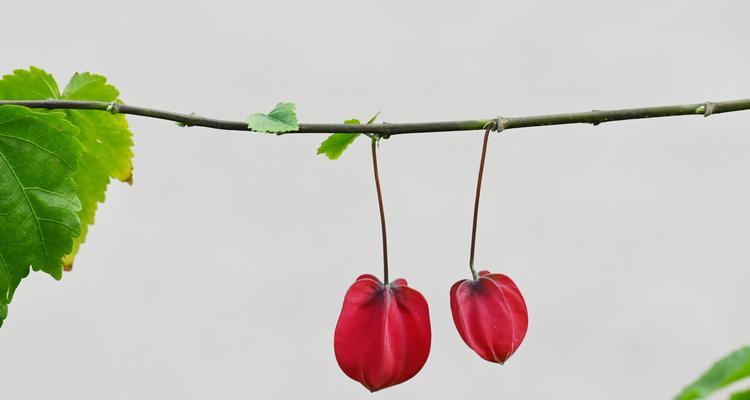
x: 383, y: 334
x: 490, y: 315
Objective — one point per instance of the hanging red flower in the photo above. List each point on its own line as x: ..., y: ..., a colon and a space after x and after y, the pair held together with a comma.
x: 383, y: 334
x: 490, y: 315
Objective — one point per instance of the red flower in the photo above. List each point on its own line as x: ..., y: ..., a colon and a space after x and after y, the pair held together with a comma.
x: 490, y: 315
x: 383, y: 333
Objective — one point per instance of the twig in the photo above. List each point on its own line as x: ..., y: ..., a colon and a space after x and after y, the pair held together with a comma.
x: 595, y: 117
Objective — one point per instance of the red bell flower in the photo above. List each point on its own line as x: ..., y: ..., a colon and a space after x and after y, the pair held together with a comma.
x: 490, y: 315
x: 383, y: 334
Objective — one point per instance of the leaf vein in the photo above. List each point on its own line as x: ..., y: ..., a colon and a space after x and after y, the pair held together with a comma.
x: 31, y: 206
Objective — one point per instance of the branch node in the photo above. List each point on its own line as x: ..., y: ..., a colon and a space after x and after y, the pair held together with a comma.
x: 186, y: 124
x: 113, y: 107
x: 498, y: 124
x: 708, y: 108
x: 598, y: 121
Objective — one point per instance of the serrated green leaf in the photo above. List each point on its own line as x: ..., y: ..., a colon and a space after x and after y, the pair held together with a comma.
x: 335, y: 145
x: 103, y: 151
x: 281, y: 119
x: 107, y: 143
x: 39, y: 154
x: 744, y: 395
x: 729, y: 369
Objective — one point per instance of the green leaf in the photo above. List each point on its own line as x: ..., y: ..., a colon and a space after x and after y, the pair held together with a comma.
x: 39, y: 154
x: 744, y: 395
x: 335, y: 145
x: 102, y: 143
x: 107, y: 143
x: 729, y: 369
x: 373, y: 118
x: 281, y: 119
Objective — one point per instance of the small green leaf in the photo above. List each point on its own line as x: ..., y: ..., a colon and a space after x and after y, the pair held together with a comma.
x: 373, y: 118
x: 281, y: 119
x: 335, y: 145
x: 744, y: 395
x: 729, y: 369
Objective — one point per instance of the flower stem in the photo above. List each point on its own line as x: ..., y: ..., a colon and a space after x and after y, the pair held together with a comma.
x: 374, y: 147
x: 487, y: 131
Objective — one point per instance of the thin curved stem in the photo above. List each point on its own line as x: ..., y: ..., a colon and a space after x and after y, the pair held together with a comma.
x: 374, y: 147
x: 487, y: 131
x: 595, y: 117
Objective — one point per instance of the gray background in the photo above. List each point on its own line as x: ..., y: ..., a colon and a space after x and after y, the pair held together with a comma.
x: 221, y: 272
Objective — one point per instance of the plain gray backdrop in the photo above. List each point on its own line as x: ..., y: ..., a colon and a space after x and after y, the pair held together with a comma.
x: 220, y: 273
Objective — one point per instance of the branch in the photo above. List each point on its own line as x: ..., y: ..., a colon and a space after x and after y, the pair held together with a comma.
x: 595, y: 117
